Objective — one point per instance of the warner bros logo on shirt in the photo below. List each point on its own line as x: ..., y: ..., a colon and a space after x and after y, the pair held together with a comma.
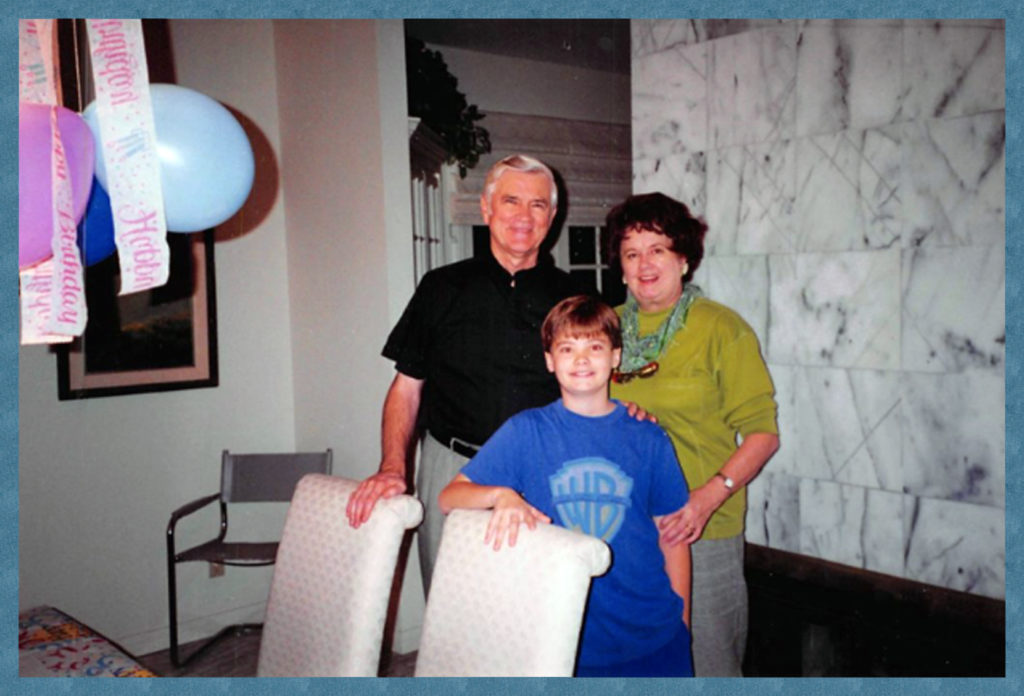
x: 591, y: 495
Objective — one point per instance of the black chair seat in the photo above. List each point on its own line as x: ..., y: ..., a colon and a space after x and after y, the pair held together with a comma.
x: 243, y: 553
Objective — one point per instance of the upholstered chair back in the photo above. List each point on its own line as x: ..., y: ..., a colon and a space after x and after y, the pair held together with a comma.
x: 513, y: 612
x: 331, y: 586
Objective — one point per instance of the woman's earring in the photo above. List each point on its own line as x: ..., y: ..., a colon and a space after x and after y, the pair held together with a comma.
x: 623, y: 280
x: 686, y: 269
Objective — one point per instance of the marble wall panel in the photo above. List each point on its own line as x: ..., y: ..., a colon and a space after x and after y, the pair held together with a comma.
x: 954, y: 181
x: 954, y: 315
x: 649, y: 36
x: 952, y: 68
x: 751, y: 195
x: 848, y: 76
x: 846, y: 24
x: 852, y: 525
x: 848, y: 191
x: 758, y: 500
x: 874, y: 452
x: 839, y: 310
x: 719, y: 28
x: 740, y: 283
x: 955, y: 545
x: 751, y: 90
x: 976, y: 22
x: 669, y: 103
x: 858, y: 428
x: 954, y: 436
x: 681, y: 176
x: 773, y: 510
x: 795, y: 456
x: 881, y: 540
x: 653, y: 35
x: 840, y: 425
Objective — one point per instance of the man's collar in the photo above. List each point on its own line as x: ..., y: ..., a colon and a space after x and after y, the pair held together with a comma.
x: 544, y: 260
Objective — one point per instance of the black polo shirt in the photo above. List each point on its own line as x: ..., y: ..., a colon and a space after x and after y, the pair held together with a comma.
x: 472, y: 332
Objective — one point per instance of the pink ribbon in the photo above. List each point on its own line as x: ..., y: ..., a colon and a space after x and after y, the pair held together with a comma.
x: 125, y: 115
x: 53, y: 308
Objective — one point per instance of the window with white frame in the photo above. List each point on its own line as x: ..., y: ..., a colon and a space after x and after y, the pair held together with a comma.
x: 593, y: 162
x: 581, y: 251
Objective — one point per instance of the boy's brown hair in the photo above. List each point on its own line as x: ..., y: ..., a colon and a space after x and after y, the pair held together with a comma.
x: 580, y: 316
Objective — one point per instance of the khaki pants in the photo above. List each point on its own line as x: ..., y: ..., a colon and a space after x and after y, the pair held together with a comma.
x: 719, y: 612
x: 438, y: 466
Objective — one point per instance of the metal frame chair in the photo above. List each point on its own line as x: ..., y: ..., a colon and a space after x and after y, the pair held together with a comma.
x: 245, y: 478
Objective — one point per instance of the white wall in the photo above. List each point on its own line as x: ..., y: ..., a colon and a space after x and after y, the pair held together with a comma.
x: 100, y: 477
x: 538, y: 88
x: 346, y: 167
x: 337, y: 246
x: 308, y: 277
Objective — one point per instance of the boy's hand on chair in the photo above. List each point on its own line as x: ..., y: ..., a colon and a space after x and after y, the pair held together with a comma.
x: 509, y: 511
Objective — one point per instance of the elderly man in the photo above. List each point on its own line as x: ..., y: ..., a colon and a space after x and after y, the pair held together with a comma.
x: 467, y: 349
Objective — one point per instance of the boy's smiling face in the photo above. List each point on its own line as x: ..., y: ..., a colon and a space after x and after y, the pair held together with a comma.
x: 582, y: 364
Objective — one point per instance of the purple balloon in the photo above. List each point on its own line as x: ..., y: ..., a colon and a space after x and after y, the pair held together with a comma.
x: 35, y: 197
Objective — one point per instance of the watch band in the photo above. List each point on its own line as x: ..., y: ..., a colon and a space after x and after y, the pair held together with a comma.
x: 729, y: 483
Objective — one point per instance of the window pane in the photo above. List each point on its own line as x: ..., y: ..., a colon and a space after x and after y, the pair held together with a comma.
x: 581, y: 245
x: 587, y: 278
x: 604, y: 245
x: 613, y: 290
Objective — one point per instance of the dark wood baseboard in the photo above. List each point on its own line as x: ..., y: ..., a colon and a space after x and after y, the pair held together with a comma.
x: 810, y: 617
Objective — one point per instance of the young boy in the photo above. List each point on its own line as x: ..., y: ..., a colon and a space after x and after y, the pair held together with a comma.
x: 584, y: 463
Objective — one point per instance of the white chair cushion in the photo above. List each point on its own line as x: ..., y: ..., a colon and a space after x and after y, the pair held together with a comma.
x: 329, y: 596
x: 513, y: 612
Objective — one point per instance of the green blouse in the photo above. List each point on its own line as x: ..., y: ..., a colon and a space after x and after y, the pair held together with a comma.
x: 711, y: 385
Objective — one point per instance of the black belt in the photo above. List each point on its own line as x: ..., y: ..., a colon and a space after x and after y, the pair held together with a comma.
x: 458, y: 446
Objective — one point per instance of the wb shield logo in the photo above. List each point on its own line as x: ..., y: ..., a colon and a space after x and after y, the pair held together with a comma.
x: 591, y: 496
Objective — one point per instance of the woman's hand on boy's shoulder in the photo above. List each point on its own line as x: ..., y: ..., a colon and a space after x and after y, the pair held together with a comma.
x: 511, y: 510
x: 637, y: 411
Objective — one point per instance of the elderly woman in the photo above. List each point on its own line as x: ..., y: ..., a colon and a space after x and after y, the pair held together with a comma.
x: 697, y: 366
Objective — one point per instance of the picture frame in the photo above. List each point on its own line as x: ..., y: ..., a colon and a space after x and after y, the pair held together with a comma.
x: 157, y: 340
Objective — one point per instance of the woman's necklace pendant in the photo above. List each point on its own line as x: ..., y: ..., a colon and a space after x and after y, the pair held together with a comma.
x: 645, y: 371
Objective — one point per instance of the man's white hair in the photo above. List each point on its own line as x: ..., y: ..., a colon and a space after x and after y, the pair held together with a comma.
x: 519, y: 163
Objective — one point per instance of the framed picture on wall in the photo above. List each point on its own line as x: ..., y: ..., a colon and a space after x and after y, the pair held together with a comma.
x: 157, y: 340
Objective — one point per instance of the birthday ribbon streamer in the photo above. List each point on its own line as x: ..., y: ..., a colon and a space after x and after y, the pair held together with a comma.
x: 125, y: 114
x: 35, y: 77
x: 53, y: 308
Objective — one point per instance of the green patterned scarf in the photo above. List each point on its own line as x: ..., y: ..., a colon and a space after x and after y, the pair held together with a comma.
x: 640, y: 352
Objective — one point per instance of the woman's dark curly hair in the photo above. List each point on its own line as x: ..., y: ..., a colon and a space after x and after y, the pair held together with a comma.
x: 656, y: 212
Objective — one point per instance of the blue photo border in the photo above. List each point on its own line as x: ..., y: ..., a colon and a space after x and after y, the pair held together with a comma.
x: 9, y: 683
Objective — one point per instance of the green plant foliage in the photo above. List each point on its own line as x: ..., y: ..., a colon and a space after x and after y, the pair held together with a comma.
x: 434, y: 97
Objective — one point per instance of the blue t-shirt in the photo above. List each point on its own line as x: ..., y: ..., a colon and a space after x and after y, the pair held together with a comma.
x: 606, y: 476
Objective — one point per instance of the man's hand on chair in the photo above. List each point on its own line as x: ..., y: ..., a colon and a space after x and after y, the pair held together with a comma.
x: 383, y: 484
